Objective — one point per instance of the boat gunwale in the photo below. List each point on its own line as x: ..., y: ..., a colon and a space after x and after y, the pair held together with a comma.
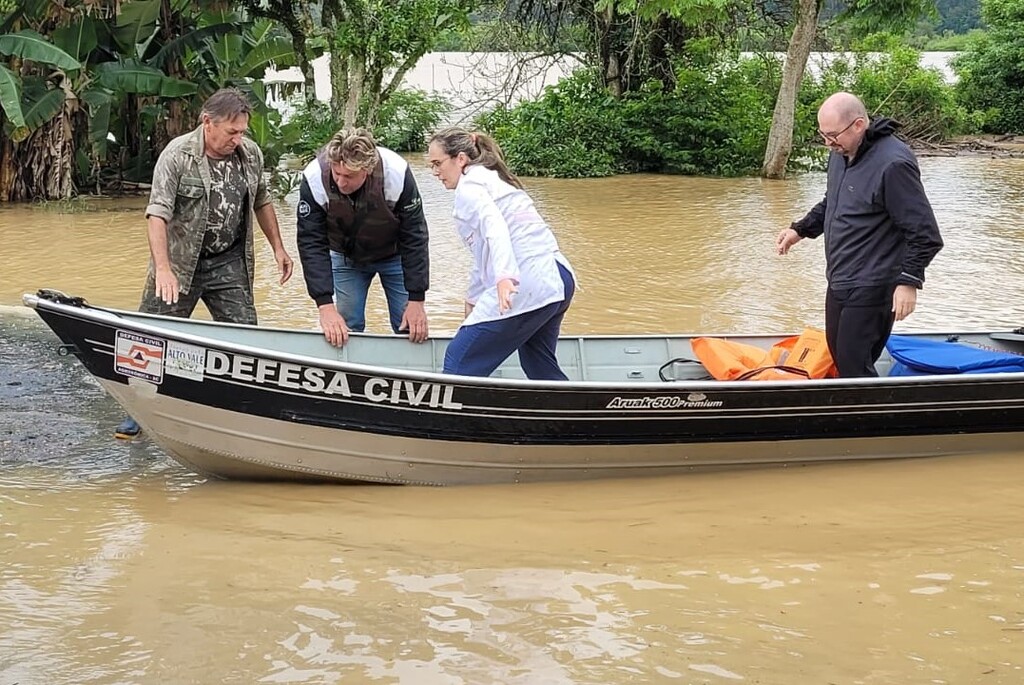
x: 111, y: 317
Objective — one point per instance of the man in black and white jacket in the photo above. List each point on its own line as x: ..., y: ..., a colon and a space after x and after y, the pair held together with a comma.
x: 360, y: 215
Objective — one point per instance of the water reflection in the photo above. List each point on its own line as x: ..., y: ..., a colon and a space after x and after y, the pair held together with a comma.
x: 830, y: 573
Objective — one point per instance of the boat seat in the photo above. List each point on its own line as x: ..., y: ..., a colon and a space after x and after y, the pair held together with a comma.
x: 683, y: 369
x: 1011, y: 337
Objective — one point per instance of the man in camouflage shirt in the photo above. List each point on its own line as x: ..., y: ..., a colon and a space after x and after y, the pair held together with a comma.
x: 207, y: 185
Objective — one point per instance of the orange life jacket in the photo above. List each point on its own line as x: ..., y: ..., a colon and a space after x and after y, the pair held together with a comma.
x: 798, y: 357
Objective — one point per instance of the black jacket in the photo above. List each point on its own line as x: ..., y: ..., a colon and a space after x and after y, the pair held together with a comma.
x: 879, y: 226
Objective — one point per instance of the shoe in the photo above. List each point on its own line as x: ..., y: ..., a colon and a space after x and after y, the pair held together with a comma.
x: 127, y: 429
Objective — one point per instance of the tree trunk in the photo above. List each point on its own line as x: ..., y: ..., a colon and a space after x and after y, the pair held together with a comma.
x: 178, y: 119
x: 356, y: 75
x: 780, y: 138
x: 306, y: 66
x: 40, y: 167
x: 7, y: 168
x: 611, y: 69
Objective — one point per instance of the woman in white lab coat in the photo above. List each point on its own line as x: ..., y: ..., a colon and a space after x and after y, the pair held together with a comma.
x: 521, y: 284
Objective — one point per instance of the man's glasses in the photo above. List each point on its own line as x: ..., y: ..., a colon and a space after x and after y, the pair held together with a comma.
x: 834, y: 137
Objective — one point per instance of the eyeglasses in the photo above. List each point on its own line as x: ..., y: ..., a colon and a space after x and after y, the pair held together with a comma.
x: 834, y: 137
x: 435, y: 164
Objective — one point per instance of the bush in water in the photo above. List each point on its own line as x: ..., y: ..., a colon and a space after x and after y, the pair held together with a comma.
x: 715, y: 119
x: 991, y: 70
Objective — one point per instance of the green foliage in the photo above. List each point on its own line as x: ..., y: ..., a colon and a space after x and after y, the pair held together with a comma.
x: 28, y: 44
x: 132, y: 76
x: 888, y: 77
x: 947, y: 42
x: 958, y: 16
x: 125, y: 81
x: 29, y: 102
x: 991, y: 70
x: 404, y: 122
x: 10, y: 102
x: 500, y: 35
x: 274, y: 139
x: 407, y: 117
x: 714, y: 121
x: 310, y: 126
x: 573, y: 129
x: 865, y: 17
x: 375, y: 42
x: 691, y: 12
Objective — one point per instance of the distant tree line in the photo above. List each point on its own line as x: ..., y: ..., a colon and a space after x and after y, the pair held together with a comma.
x: 92, y: 90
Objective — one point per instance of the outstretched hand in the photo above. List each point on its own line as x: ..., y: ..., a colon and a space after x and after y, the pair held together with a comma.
x: 786, y: 239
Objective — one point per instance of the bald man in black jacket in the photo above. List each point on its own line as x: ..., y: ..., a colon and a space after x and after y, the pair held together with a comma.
x: 880, y: 233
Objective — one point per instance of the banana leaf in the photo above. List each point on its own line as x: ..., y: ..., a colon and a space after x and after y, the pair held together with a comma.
x: 40, y: 102
x: 227, y: 51
x: 132, y: 77
x: 136, y: 23
x: 78, y: 39
x: 98, y: 107
x: 194, y: 40
x: 10, y: 97
x: 276, y: 52
x: 29, y: 45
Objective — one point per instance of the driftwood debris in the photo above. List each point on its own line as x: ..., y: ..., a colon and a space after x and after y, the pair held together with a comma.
x: 1002, y: 146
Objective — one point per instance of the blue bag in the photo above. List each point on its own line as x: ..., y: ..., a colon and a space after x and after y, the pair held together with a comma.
x: 919, y: 357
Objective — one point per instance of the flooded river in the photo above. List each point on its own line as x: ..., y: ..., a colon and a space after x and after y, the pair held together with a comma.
x: 117, y: 566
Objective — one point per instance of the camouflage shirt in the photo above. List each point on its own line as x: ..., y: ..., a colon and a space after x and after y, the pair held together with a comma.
x: 182, y: 196
x: 227, y: 194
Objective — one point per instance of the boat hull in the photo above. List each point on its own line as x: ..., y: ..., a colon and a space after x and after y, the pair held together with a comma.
x: 227, y: 409
x: 255, y: 448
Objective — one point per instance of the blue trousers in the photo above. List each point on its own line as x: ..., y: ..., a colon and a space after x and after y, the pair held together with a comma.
x: 352, y: 283
x: 479, y: 349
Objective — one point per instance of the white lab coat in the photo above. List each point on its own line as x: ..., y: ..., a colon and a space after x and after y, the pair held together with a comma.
x: 508, y: 239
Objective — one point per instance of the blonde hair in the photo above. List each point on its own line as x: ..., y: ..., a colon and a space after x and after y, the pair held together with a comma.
x: 353, y: 147
x: 479, y: 147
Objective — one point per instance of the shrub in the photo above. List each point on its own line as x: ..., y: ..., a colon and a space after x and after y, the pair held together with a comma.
x: 407, y: 118
x: 888, y: 77
x: 991, y: 70
x: 310, y: 126
x: 716, y: 118
x: 574, y: 129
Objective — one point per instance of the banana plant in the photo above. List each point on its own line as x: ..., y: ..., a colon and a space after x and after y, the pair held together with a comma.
x: 31, y: 100
x: 119, y: 81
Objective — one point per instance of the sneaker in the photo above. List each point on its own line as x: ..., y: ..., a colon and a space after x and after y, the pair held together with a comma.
x: 127, y: 429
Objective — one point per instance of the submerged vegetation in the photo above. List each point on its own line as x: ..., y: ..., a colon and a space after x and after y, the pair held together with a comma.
x: 715, y: 118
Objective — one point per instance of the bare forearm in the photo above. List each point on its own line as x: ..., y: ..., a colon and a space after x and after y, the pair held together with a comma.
x: 266, y: 217
x: 156, y: 232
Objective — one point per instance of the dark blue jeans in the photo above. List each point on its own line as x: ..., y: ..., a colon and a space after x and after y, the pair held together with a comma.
x: 479, y: 349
